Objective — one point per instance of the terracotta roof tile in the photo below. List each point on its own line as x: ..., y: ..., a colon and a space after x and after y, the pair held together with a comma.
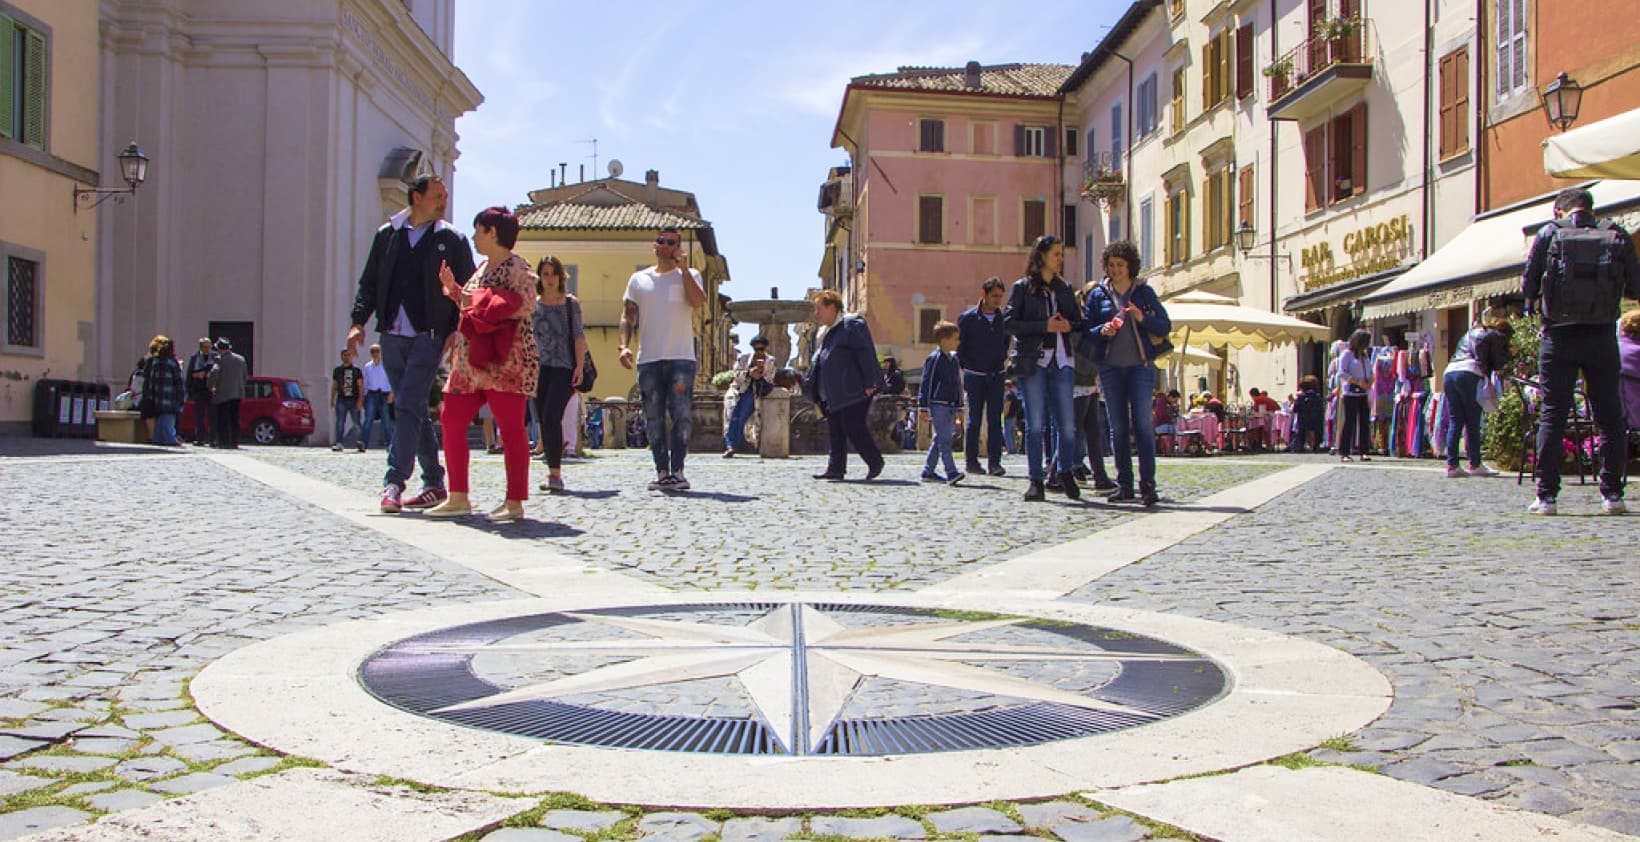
x: 568, y: 215
x: 1015, y: 79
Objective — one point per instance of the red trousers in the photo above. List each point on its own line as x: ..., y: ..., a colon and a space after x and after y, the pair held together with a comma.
x: 508, y: 409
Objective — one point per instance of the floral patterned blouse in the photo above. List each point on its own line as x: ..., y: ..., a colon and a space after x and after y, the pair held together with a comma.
x: 521, y: 368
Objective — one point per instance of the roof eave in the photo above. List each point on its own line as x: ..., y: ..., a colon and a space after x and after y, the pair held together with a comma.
x: 1121, y: 31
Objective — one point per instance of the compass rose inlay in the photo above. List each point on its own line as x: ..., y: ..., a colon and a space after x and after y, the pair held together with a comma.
x: 791, y: 679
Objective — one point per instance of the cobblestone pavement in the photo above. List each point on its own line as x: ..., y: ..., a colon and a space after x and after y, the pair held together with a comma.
x: 1512, y: 641
x: 123, y: 577
x: 751, y: 523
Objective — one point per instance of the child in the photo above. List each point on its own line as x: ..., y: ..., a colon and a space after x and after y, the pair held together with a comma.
x: 940, y: 395
x: 1309, y: 411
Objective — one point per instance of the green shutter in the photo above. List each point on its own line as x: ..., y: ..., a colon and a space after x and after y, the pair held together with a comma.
x: 34, y: 89
x: 8, y: 80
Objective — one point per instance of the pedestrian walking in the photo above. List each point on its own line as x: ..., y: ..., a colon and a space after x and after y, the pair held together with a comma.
x: 659, y: 304
x: 400, y: 286
x: 1355, y: 381
x: 347, y: 400
x: 751, y: 381
x: 1128, y: 326
x: 982, y: 349
x: 1578, y: 271
x: 940, y: 395
x: 163, y: 391
x: 200, y: 363
x: 227, y: 382
x: 560, y: 339
x: 378, y: 400
x: 493, y: 362
x: 1044, y: 320
x: 843, y: 377
x: 1482, y: 353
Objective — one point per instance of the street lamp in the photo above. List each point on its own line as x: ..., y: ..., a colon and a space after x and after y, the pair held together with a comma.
x: 1246, y: 236
x: 133, y: 168
x: 1561, y: 101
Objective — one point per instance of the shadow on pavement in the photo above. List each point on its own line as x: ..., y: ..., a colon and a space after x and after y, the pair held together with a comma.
x: 20, y: 446
x: 526, y: 528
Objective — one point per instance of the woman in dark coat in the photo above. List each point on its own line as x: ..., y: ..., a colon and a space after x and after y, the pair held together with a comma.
x: 162, y: 391
x: 1045, y: 321
x: 842, y: 380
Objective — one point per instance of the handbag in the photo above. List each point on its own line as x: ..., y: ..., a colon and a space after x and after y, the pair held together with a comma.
x: 589, y: 370
x: 1488, y: 392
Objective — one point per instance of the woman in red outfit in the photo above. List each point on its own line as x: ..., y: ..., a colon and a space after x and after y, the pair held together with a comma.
x: 504, y: 383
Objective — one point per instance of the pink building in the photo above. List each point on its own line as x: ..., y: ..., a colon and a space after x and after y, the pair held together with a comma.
x: 954, y: 172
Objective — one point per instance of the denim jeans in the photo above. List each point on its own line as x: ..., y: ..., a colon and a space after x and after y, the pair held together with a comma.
x: 1591, y: 350
x: 165, y: 428
x: 1128, y: 391
x: 412, y: 362
x: 346, y: 409
x: 943, y: 420
x: 984, y: 393
x: 668, y: 388
x: 1048, y: 392
x: 375, y: 408
x: 1465, y: 416
x: 745, y: 405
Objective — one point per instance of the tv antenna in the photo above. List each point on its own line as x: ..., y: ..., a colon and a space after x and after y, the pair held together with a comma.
x: 594, y: 155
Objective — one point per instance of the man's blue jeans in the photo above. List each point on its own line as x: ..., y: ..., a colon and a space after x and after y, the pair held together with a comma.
x: 375, y: 408
x: 412, y: 363
x: 1049, y: 391
x: 1464, y: 413
x: 984, y: 404
x: 668, y: 388
x: 346, y: 409
x: 1128, y: 398
x: 745, y: 405
x: 943, y: 420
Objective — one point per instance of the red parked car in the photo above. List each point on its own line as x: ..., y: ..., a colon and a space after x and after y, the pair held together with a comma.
x: 274, y: 410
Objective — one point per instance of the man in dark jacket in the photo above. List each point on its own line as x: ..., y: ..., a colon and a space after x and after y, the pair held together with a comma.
x: 227, y: 384
x: 841, y: 382
x: 982, y: 350
x: 200, y: 364
x: 1570, y: 349
x: 400, y: 287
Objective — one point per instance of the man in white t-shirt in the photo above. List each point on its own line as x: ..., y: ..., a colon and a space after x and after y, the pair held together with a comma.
x: 659, y: 303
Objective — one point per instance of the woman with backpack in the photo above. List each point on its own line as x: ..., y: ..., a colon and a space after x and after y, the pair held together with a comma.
x: 560, y: 337
x: 1481, y: 353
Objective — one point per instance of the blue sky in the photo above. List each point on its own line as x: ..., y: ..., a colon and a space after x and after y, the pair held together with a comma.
x: 732, y: 100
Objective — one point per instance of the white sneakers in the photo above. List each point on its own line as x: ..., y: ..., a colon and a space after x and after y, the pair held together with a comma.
x: 1455, y: 472
x: 1613, y: 506
x: 1541, y: 506
x: 1482, y: 470
x: 1608, y: 505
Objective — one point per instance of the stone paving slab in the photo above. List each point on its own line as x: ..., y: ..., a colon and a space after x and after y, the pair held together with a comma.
x: 758, y: 829
x: 1112, y: 829
x: 884, y: 827
x: 24, y: 822
x: 1511, y: 640
x: 972, y: 820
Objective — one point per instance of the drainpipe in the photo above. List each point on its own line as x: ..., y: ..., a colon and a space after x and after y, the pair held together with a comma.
x: 1480, y: 98
x: 1429, y: 172
x: 1275, y: 280
x: 1059, y: 172
x: 1127, y: 153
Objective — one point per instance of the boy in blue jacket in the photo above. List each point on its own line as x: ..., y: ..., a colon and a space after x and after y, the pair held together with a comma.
x: 940, y: 395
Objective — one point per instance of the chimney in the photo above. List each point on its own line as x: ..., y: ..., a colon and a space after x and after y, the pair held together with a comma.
x: 563, y: 173
x: 652, y: 178
x: 774, y: 292
x: 970, y: 76
x: 583, y: 174
x: 552, y: 178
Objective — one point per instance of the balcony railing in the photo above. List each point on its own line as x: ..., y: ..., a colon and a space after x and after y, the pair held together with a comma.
x: 1102, y: 179
x: 1339, y: 41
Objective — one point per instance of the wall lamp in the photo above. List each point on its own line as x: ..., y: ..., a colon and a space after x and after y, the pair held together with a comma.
x: 133, y: 167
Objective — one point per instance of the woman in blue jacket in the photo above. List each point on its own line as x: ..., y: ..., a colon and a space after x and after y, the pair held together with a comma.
x: 842, y: 379
x: 1128, y: 327
x: 1045, y: 322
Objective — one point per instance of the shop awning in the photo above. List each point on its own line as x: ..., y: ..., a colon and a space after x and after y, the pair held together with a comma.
x: 1484, y: 260
x: 1339, y: 294
x: 1609, y: 148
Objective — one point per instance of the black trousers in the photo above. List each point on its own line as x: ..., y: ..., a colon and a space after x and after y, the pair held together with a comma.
x: 202, y: 418
x: 1591, y: 350
x: 1093, y: 431
x: 848, y: 426
x: 984, y: 403
x: 1354, y: 430
x: 551, y: 396
x: 227, y: 424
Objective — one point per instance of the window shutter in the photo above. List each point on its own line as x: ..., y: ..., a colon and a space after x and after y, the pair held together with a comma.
x: 1208, y: 67
x: 1315, y: 167
x: 932, y: 219
x: 1446, y: 106
x: 1050, y: 142
x: 1227, y: 64
x: 34, y: 89
x: 1460, y: 100
x: 1245, y: 192
x: 8, y: 84
x: 1035, y: 222
x: 1019, y: 140
x: 1070, y: 141
x: 1244, y: 61
x: 1069, y: 234
x: 1358, y: 148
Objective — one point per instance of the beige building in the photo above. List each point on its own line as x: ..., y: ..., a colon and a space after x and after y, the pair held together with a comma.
x: 602, y: 230
x: 48, y: 147
x: 282, y: 135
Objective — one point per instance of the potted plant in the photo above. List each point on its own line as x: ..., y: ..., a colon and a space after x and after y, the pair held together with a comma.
x: 1281, y: 68
x: 1336, y: 29
x: 1105, y: 185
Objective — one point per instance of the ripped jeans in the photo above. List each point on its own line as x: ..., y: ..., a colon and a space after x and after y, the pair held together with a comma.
x: 668, y: 388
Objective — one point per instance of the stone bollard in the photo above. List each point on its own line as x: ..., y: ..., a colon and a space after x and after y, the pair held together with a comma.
x: 615, y: 424
x: 774, y: 412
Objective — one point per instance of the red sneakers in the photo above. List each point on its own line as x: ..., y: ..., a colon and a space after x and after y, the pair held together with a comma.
x: 390, y: 498
x: 427, y: 499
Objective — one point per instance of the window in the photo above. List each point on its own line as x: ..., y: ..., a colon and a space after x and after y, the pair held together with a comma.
x: 927, y: 318
x: 1454, y: 77
x: 1070, y: 140
x: 1176, y: 121
x: 1218, y: 68
x: 1033, y: 142
x: 1070, y: 224
x: 1175, y: 8
x: 23, y: 69
x: 1511, y: 71
x: 1216, y: 221
x: 1246, y: 191
x: 1147, y: 231
x: 932, y: 135
x: 1116, y: 139
x: 22, y: 304
x: 572, y: 279
x: 292, y: 390
x: 1115, y: 232
x: 1145, y: 116
x: 1178, y: 227
x: 1335, y: 159
x: 1093, y: 142
x: 1244, y: 62
x: 1035, y: 218
x: 930, y: 219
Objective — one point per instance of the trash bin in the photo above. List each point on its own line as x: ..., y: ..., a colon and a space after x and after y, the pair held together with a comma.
x: 64, y: 408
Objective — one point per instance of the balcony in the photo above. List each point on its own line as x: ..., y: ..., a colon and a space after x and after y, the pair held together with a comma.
x: 1102, y: 180
x: 1330, y: 66
x: 837, y: 199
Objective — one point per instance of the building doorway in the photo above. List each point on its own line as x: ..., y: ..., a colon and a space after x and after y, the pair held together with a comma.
x: 243, y: 337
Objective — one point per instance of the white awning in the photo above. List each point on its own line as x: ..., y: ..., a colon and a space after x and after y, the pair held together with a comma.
x: 1609, y: 148
x: 1484, y: 260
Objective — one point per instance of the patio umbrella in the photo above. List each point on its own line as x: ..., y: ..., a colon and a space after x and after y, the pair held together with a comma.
x: 1606, y: 149
x: 1189, y: 356
x: 1208, y: 319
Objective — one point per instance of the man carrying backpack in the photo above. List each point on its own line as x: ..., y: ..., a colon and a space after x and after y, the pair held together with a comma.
x: 1577, y: 274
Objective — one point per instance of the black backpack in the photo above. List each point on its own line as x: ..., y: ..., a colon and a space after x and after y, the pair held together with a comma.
x: 1584, y: 281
